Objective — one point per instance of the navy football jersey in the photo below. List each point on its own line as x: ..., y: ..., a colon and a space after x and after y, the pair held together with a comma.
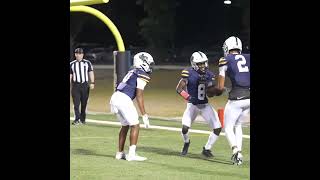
x: 238, y: 69
x: 197, y: 84
x: 129, y: 83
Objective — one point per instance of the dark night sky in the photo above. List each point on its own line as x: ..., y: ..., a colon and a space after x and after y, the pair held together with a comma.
x: 204, y: 22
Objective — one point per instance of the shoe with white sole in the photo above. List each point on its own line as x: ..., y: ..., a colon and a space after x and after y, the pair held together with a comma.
x: 237, y: 158
x: 121, y: 155
x: 135, y: 158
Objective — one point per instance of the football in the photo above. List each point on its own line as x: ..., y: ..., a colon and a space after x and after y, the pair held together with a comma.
x: 210, y: 91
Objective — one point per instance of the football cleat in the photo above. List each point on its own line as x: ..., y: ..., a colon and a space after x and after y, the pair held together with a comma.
x: 76, y: 122
x: 185, y: 149
x: 237, y: 158
x: 207, y: 152
x: 135, y: 158
x: 121, y: 155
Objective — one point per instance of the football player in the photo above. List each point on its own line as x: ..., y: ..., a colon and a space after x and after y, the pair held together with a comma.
x: 121, y: 102
x: 236, y: 66
x: 192, y: 87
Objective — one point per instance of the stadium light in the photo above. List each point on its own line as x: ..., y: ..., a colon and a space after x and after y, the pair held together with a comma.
x: 86, y: 2
x: 227, y: 2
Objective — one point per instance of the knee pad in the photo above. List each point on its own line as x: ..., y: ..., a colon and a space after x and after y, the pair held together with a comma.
x: 217, y: 131
x: 185, y: 129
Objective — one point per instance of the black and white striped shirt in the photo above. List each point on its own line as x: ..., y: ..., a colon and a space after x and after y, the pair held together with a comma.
x: 80, y: 70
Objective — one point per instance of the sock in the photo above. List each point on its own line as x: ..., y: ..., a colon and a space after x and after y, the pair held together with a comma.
x: 211, y: 140
x: 230, y: 135
x: 238, y: 133
x: 132, y: 150
x: 185, y: 137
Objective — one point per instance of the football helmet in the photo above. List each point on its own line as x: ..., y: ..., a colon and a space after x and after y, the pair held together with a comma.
x: 199, y: 57
x: 231, y: 43
x: 144, y: 61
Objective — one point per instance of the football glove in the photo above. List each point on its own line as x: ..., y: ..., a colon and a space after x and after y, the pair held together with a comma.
x: 145, y: 119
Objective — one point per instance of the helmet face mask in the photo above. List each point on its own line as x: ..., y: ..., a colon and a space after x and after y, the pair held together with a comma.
x: 230, y: 44
x: 199, y: 61
x: 202, y: 67
x: 143, y: 61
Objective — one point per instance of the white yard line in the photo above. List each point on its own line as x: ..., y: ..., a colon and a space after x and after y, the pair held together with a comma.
x: 157, y: 127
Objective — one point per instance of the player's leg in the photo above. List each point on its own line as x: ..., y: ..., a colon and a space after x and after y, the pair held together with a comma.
x: 186, y: 140
x: 116, y: 106
x: 238, y: 128
x: 130, y: 114
x: 75, y: 92
x: 134, y: 134
x: 189, y: 116
x: 238, y: 133
x: 211, y: 116
x: 231, y: 114
x: 122, y: 137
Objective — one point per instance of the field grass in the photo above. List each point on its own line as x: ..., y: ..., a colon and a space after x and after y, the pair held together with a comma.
x: 159, y: 122
x: 93, y: 147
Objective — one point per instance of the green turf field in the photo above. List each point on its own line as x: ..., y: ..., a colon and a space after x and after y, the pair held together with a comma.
x: 93, y: 147
x: 159, y: 122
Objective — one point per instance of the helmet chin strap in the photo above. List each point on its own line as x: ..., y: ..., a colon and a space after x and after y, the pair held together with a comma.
x: 202, y: 72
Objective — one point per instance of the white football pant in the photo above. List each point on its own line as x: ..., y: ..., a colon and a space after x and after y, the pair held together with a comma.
x: 123, y: 107
x: 205, y: 110
x: 234, y: 112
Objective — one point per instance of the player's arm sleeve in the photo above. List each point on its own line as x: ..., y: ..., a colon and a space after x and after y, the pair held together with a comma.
x: 221, y: 79
x: 141, y: 83
x: 185, y: 74
x: 142, y: 80
x: 223, y: 66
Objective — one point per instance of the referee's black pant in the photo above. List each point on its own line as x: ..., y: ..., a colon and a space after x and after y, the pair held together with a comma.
x: 80, y: 95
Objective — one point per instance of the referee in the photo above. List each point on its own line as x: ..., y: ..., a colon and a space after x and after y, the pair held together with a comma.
x: 81, y: 71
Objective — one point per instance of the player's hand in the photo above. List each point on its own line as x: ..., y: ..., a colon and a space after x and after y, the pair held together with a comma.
x: 145, y: 119
x: 91, y: 86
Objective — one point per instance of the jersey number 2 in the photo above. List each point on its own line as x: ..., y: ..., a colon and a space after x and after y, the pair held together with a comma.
x: 242, y: 63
